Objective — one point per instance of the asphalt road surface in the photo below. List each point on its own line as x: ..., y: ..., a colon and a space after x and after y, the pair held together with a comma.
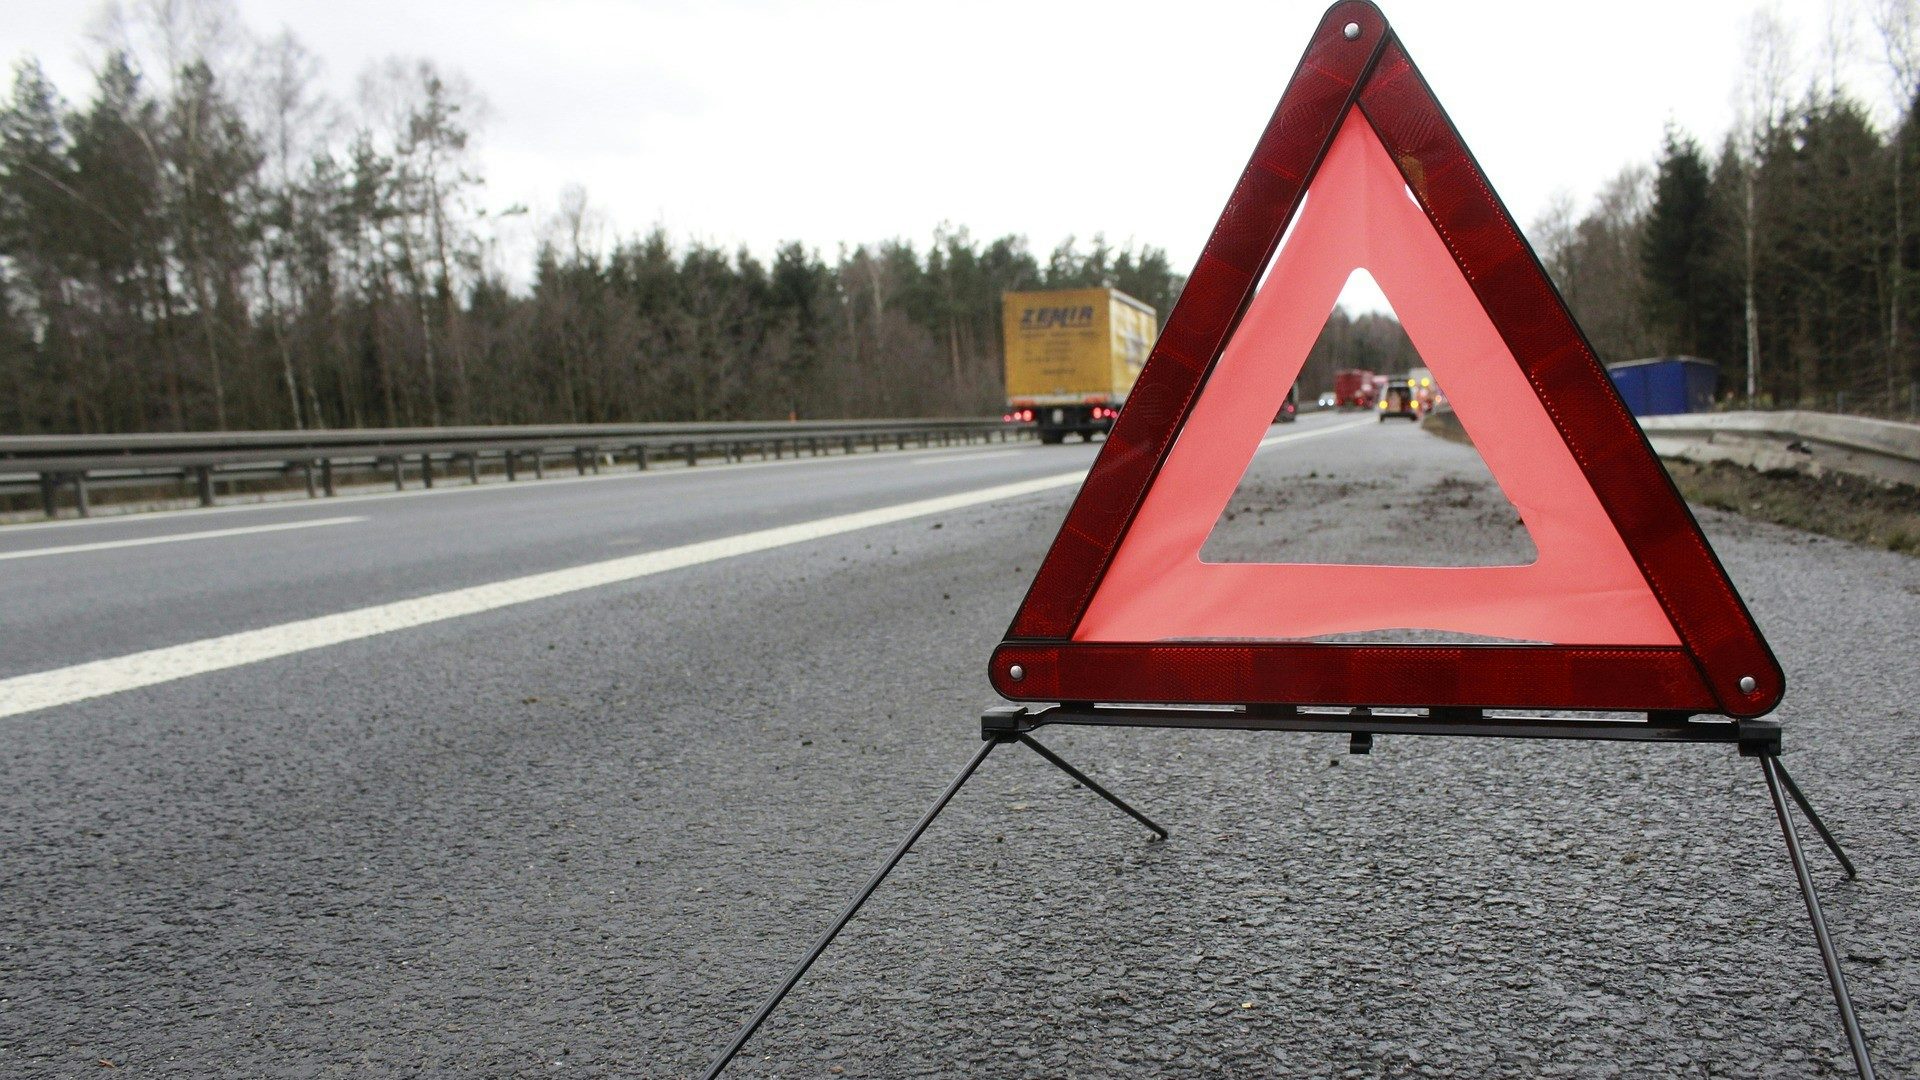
x: 558, y: 778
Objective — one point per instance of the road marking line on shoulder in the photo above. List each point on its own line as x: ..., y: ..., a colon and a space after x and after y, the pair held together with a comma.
x: 99, y: 678
x: 1314, y: 434
x: 174, y: 538
x: 965, y: 457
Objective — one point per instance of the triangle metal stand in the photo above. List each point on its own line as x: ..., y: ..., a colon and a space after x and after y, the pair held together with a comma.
x: 1016, y: 724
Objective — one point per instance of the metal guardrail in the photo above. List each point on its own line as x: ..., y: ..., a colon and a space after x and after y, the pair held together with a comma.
x: 56, y: 463
x: 1801, y: 440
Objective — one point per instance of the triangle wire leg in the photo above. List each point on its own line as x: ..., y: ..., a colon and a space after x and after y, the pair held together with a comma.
x: 1856, y: 1042
x: 847, y: 913
x: 1819, y: 826
x: 1087, y: 782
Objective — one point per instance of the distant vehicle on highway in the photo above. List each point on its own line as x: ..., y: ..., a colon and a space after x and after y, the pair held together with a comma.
x: 1072, y: 356
x: 1425, y: 390
x: 1327, y: 400
x: 1398, y: 401
x: 1288, y: 407
x: 1353, y: 389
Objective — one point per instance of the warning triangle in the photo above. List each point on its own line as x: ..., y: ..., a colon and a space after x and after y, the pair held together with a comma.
x: 1626, y: 607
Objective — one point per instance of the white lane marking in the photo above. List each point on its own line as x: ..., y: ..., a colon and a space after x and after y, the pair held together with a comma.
x: 79, y: 682
x: 175, y: 538
x: 492, y: 484
x: 1314, y: 434
x: 966, y: 457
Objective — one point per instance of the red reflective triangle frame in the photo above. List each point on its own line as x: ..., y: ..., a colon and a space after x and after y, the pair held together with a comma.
x: 1720, y: 650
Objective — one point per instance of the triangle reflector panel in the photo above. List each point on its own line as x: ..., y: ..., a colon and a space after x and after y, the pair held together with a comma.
x: 1626, y: 607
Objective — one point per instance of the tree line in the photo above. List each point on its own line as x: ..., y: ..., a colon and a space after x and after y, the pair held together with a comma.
x: 209, y: 242
x: 1788, y: 254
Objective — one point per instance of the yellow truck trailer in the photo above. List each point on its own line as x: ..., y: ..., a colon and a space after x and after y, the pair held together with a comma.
x: 1072, y: 356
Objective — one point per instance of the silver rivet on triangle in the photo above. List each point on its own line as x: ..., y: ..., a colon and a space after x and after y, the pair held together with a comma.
x: 1016, y: 673
x: 1352, y: 31
x: 1747, y: 684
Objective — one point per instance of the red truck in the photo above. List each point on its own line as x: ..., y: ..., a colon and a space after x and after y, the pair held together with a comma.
x: 1353, y: 388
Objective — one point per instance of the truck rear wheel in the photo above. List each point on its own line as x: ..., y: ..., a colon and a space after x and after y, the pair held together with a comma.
x: 1051, y: 438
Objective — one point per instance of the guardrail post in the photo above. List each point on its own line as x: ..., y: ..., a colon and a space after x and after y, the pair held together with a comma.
x: 306, y: 472
x: 326, y: 476
x: 203, y: 480
x: 512, y: 459
x: 426, y: 470
x: 540, y: 464
x: 49, y: 493
x: 80, y: 502
x: 593, y: 458
x: 640, y: 457
x: 579, y: 463
x: 473, y: 467
x: 776, y: 449
x: 693, y: 455
x: 399, y: 474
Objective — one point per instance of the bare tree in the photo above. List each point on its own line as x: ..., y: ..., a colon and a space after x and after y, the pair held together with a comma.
x: 293, y: 122
x: 1760, y: 106
x: 1897, y: 22
x: 426, y: 118
x: 1554, y: 236
x: 577, y: 227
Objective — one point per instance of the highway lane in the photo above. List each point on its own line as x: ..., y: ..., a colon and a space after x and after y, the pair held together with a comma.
x: 151, y: 582
x: 92, y: 604
x: 585, y: 833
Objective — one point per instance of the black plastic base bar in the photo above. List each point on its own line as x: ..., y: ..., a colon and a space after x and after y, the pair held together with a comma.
x: 1776, y: 780
x: 853, y: 907
x: 1657, y: 727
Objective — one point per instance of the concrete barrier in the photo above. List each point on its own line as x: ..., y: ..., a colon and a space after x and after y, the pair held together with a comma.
x: 1796, y: 439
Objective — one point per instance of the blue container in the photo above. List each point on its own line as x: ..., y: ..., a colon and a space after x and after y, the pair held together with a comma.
x: 1667, y: 384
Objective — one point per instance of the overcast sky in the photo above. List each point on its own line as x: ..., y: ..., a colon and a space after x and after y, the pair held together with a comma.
x: 832, y: 122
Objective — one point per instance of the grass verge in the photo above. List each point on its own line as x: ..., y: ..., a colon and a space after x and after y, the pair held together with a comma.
x: 1837, y: 504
